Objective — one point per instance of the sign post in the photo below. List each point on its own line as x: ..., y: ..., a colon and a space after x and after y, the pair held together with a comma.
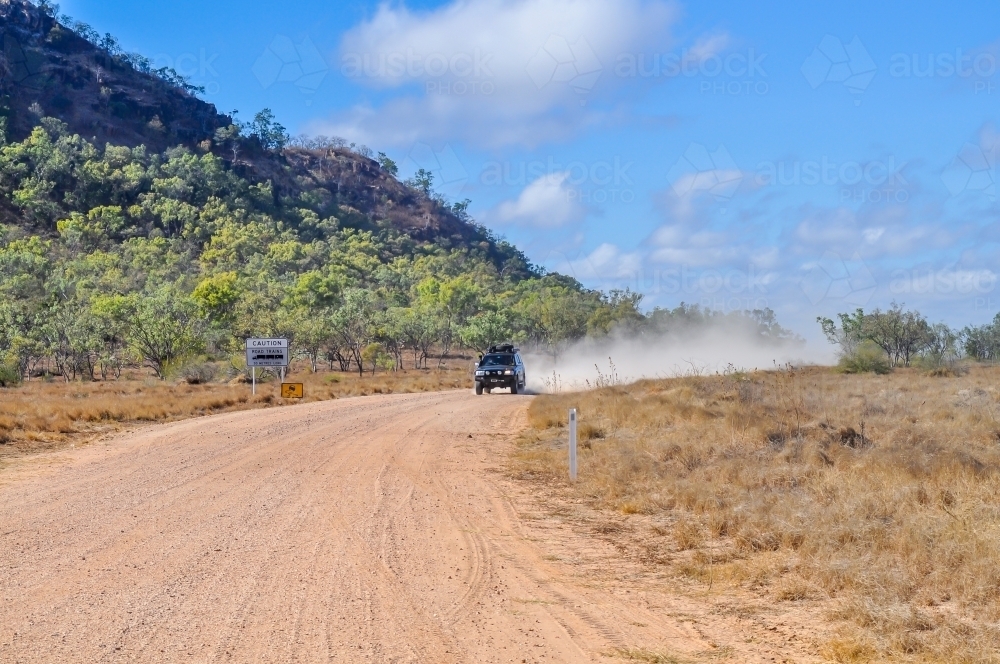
x: 572, y: 444
x: 266, y: 353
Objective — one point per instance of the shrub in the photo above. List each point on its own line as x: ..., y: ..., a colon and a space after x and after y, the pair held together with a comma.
x: 198, y: 373
x: 9, y: 375
x: 948, y: 371
x: 866, y: 358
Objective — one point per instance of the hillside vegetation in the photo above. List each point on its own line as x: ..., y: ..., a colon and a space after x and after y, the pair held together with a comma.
x: 123, y: 256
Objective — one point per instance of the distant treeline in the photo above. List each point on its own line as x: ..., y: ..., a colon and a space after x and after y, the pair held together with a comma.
x: 880, y: 340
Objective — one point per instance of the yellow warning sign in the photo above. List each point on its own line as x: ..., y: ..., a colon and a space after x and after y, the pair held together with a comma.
x: 292, y: 390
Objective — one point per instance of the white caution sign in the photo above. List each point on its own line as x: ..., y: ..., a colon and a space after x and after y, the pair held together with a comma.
x: 267, y: 352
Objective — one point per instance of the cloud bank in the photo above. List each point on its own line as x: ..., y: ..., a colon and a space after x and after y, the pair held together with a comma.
x: 491, y: 72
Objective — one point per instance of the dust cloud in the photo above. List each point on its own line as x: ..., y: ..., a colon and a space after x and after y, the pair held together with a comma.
x: 703, y: 350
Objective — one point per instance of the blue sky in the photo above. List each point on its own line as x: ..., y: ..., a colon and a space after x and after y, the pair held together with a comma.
x: 809, y: 157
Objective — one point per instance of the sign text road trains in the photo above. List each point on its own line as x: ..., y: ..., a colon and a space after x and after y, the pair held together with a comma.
x: 267, y: 352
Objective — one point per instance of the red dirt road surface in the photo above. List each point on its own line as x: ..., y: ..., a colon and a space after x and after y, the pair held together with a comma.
x: 375, y: 529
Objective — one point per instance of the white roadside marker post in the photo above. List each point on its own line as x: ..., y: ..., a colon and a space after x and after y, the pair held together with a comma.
x: 253, y: 377
x: 572, y: 444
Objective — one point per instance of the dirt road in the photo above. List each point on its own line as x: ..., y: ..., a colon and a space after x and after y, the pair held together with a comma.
x: 375, y: 529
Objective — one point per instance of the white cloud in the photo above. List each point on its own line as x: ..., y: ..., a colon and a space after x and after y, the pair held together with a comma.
x: 677, y: 244
x: 695, y: 256
x: 701, y: 177
x: 709, y: 46
x: 605, y: 263
x: 889, y: 231
x: 404, y: 121
x: 835, y: 230
x: 494, y: 72
x: 497, y: 40
x: 545, y: 203
x: 872, y: 235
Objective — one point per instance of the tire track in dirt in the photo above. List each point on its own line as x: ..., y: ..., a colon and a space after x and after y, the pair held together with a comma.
x: 374, y: 529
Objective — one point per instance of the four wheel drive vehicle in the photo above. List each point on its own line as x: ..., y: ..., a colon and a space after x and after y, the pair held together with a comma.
x: 501, y: 366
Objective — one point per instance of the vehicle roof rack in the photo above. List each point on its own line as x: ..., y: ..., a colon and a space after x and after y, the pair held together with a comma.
x: 503, y: 348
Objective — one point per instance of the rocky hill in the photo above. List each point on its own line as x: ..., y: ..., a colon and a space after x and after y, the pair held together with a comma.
x: 99, y: 95
x: 107, y: 96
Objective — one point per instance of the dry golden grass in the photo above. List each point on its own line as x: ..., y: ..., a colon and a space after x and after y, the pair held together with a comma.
x: 40, y: 415
x: 878, y: 495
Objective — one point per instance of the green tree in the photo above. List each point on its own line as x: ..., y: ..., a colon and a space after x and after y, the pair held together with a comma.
x: 388, y: 165
x: 942, y: 346
x: 230, y: 138
x: 982, y: 342
x: 418, y: 330
x: 162, y: 327
x: 422, y: 181
x: 486, y: 329
x: 902, y: 335
x: 375, y: 356
x: 618, y: 310
x: 314, y: 332
x: 850, y: 333
x: 267, y: 131
x: 354, y: 323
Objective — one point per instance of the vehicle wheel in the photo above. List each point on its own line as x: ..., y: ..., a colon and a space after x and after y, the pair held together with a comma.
x: 489, y: 390
x: 513, y: 388
x: 479, y: 388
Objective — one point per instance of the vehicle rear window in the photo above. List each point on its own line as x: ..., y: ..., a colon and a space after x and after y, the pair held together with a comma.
x: 497, y: 360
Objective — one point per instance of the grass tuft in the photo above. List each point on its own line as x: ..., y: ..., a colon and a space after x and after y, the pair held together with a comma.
x: 644, y: 655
